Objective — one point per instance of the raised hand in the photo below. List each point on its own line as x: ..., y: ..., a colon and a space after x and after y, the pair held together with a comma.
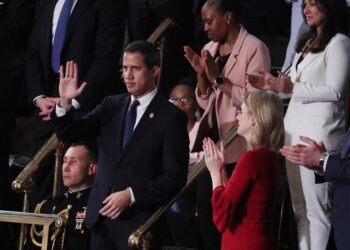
x: 68, y: 87
x: 195, y: 60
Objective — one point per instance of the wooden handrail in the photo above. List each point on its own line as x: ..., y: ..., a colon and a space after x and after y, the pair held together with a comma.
x: 138, y: 237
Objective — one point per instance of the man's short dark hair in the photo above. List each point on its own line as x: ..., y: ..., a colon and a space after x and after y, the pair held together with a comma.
x: 90, y: 147
x: 150, y: 53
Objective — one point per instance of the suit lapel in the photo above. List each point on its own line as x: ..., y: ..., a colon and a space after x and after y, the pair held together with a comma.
x: 310, y: 57
x: 146, y: 121
x: 235, y: 52
x: 118, y: 125
x: 78, y: 11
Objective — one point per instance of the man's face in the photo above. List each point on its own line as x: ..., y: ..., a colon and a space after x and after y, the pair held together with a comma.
x: 138, y: 77
x: 77, y: 168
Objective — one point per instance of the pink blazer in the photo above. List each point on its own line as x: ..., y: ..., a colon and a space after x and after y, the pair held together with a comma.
x: 249, y: 55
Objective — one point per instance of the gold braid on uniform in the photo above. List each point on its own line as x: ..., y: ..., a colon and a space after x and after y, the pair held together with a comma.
x: 65, y: 214
x: 35, y: 233
x: 33, y: 229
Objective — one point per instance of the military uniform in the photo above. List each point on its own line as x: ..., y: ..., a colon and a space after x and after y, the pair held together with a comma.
x: 74, y: 235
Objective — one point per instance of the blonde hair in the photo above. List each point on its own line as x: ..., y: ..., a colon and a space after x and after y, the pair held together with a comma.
x: 267, y: 111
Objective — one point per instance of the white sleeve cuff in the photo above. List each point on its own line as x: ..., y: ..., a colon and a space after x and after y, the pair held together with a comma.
x: 132, y: 197
x: 76, y: 104
x: 62, y: 111
x: 325, y: 163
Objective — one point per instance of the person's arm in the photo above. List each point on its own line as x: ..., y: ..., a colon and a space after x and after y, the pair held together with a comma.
x: 33, y: 70
x: 337, y: 170
x: 225, y: 199
x: 337, y: 76
x: 67, y: 129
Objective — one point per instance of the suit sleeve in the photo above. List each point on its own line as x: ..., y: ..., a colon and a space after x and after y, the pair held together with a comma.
x: 33, y: 70
x: 225, y: 199
x: 69, y: 129
x: 337, y: 76
x: 109, y: 44
x: 175, y: 156
x: 338, y: 170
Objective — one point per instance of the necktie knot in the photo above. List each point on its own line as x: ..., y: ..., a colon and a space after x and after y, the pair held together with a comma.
x: 130, y: 120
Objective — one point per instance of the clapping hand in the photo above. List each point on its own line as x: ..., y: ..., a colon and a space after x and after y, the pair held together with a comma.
x: 68, y: 87
x: 214, y: 157
x: 306, y: 155
x: 195, y: 60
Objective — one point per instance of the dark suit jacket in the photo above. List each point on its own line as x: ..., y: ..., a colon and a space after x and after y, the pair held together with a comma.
x: 94, y: 40
x: 16, y: 18
x: 153, y: 163
x: 338, y: 172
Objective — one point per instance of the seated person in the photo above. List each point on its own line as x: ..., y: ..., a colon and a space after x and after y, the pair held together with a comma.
x: 78, y: 169
x: 243, y: 204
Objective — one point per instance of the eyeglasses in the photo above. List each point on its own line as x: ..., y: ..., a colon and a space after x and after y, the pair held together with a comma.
x: 185, y: 100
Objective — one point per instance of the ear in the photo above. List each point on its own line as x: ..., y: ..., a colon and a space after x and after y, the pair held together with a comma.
x: 228, y: 17
x: 155, y: 71
x: 92, y: 169
x: 252, y: 121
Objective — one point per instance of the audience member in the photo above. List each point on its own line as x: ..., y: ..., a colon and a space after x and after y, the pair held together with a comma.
x: 78, y: 169
x: 182, y: 224
x: 221, y: 68
x: 334, y: 166
x: 16, y: 19
x: 243, y: 205
x: 143, y: 147
x: 318, y: 83
x: 89, y: 32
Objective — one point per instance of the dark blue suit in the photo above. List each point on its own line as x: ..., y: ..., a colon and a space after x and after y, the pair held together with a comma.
x: 94, y: 40
x: 338, y: 172
x: 153, y: 162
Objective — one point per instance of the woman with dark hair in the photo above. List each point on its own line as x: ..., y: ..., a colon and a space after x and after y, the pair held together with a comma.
x: 243, y: 204
x: 318, y: 82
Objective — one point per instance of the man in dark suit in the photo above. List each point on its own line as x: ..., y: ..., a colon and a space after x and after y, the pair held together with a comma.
x: 93, y: 37
x: 16, y: 18
x: 335, y: 168
x: 136, y: 172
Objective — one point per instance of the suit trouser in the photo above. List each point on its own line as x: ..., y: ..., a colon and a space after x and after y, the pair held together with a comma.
x: 312, y: 207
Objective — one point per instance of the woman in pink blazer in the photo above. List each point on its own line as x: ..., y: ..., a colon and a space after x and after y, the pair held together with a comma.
x: 221, y: 69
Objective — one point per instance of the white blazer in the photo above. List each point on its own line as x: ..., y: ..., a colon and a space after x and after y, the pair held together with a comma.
x: 316, y: 108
